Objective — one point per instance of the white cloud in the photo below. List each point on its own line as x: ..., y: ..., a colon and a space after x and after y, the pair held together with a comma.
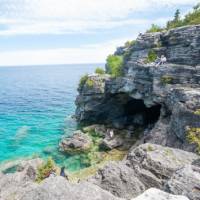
x: 93, y: 53
x: 67, y: 16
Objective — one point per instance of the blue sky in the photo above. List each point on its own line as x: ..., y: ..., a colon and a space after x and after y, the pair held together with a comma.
x: 75, y: 31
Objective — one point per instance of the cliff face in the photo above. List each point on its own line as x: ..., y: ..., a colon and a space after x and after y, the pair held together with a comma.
x: 164, y: 100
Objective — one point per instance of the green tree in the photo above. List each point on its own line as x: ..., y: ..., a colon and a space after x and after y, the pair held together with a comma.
x: 114, y: 65
x: 177, y: 16
x: 154, y: 28
x: 99, y: 70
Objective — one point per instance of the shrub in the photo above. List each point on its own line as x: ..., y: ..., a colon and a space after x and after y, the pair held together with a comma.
x: 90, y: 83
x: 167, y: 79
x: 99, y: 71
x: 154, y: 28
x: 129, y: 43
x: 197, y: 112
x: 193, y: 137
x: 114, y: 65
x: 83, y: 80
x: 152, y: 56
x: 45, y: 170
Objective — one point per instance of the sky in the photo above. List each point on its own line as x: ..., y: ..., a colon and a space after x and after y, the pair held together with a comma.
x: 37, y: 32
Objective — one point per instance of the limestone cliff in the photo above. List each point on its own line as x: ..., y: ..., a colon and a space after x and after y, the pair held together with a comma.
x: 164, y: 100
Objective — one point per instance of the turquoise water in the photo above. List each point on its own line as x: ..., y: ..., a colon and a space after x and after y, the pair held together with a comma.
x: 36, y: 105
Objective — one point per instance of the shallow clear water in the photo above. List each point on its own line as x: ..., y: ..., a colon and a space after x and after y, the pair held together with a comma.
x: 35, y: 108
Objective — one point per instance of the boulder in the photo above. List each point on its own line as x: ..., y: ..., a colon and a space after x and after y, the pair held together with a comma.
x: 161, y: 161
x: 155, y: 194
x: 119, y: 179
x: 58, y: 188
x: 145, y: 166
x: 14, y: 185
x: 185, y: 181
x: 79, y: 142
x: 111, y: 143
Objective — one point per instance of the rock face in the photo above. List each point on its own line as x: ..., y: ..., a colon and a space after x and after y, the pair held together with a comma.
x: 167, y: 95
x: 146, y: 166
x: 155, y: 194
x: 57, y: 188
x: 79, y: 142
x: 18, y: 186
x: 185, y: 181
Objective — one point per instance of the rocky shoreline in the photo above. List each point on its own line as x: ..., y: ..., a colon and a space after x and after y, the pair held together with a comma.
x: 146, y: 123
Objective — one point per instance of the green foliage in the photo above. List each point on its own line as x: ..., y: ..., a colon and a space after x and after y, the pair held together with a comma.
x: 90, y: 83
x: 99, y: 71
x: 115, y: 64
x: 166, y: 79
x: 154, y: 28
x: 193, y: 137
x: 192, y: 18
x: 150, y: 148
x: 83, y: 80
x: 45, y: 170
x: 129, y: 43
x: 152, y: 56
x: 197, y: 112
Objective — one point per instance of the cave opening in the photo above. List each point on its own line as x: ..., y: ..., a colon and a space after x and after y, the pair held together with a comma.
x: 138, y: 113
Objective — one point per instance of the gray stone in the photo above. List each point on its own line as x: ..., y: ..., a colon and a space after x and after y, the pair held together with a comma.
x: 145, y: 166
x: 119, y: 179
x: 185, y: 181
x: 58, y: 188
x: 155, y: 194
x: 78, y: 142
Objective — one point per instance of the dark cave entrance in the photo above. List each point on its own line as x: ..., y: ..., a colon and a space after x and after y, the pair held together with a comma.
x: 136, y: 107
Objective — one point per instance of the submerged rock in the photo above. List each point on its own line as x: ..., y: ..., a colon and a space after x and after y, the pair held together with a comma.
x: 79, y: 142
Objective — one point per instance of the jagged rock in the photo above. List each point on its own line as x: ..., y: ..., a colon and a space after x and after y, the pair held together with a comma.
x: 185, y: 181
x: 108, y: 144
x: 12, y: 185
x: 145, y: 92
x: 160, y: 161
x: 58, y: 188
x: 119, y: 179
x: 146, y: 166
x: 155, y: 194
x: 78, y: 142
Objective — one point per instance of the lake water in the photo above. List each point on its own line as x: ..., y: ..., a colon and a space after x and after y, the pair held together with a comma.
x: 36, y: 105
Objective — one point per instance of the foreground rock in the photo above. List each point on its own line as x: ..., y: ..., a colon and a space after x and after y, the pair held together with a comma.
x: 79, y: 142
x: 185, y: 181
x: 146, y: 166
x: 14, y: 185
x: 52, y: 188
x: 155, y: 194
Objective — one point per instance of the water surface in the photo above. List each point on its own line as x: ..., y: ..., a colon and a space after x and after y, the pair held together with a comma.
x: 36, y: 105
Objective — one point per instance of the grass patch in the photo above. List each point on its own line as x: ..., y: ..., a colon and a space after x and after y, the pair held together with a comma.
x: 113, y: 155
x: 197, y: 112
x: 166, y: 79
x: 150, y: 148
x: 90, y: 83
x: 193, y: 137
x: 45, y: 170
